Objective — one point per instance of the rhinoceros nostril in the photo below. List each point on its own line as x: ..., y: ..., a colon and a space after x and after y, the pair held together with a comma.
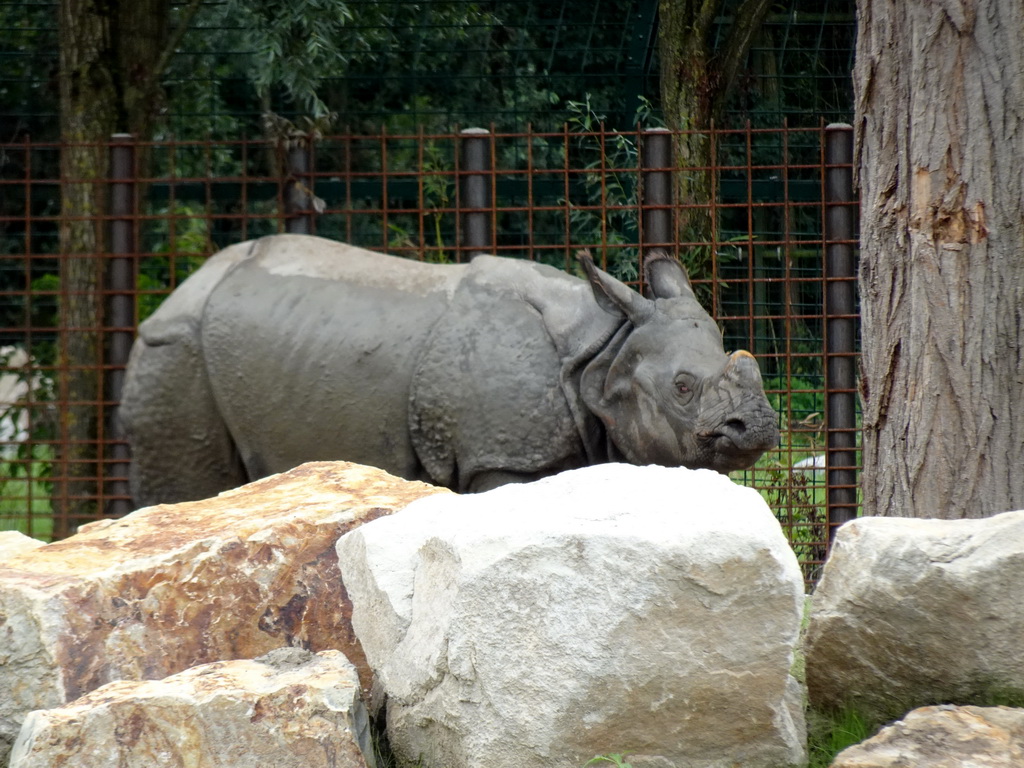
x: 735, y: 426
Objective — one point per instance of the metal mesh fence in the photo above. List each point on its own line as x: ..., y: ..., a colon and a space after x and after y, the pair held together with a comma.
x: 760, y: 270
x: 458, y: 62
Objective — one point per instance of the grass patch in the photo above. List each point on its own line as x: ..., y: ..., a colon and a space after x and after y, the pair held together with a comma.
x: 603, y: 761
x: 25, y: 494
x: 828, y: 734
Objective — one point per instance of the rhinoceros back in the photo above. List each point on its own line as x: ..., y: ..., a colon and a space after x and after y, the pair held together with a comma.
x: 311, y: 346
x: 180, y: 314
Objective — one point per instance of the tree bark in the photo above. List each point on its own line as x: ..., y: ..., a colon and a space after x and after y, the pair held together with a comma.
x: 695, y: 83
x: 112, y: 54
x: 86, y: 81
x: 940, y: 118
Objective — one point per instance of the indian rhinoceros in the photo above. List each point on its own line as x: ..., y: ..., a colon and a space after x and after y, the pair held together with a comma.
x: 293, y: 348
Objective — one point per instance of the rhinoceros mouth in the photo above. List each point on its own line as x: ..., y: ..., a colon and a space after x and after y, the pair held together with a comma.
x: 735, y: 446
x: 731, y: 459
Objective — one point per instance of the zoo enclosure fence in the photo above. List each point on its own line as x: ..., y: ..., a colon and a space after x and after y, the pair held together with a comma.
x: 771, y: 248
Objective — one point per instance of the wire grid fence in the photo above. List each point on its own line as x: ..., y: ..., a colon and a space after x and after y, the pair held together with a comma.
x: 515, y: 62
x: 760, y: 271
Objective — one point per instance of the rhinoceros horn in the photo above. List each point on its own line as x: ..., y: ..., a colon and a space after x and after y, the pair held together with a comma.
x: 742, y: 368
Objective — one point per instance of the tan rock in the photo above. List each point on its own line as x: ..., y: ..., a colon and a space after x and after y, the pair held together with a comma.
x: 15, y: 542
x: 944, y: 737
x: 173, y: 586
x: 288, y: 709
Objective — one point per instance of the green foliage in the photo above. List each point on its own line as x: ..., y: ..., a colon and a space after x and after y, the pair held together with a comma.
x: 800, y: 399
x: 618, y: 760
x: 25, y: 489
x: 797, y: 495
x: 33, y: 392
x: 28, y: 87
x: 180, y: 242
x: 295, y: 44
x: 28, y: 423
x: 607, y: 214
x: 437, y: 189
x: 44, y: 292
x: 434, y: 64
x: 798, y: 498
x: 999, y: 695
x: 830, y: 733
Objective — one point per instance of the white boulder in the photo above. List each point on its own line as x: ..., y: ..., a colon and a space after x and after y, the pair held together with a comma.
x: 604, y: 610
x: 288, y: 709
x: 15, y: 542
x: 910, y: 612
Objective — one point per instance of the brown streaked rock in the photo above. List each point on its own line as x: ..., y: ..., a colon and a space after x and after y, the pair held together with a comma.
x: 173, y: 586
x: 287, y: 709
x: 944, y: 736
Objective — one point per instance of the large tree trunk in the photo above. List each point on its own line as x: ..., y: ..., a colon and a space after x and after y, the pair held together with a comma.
x: 940, y: 115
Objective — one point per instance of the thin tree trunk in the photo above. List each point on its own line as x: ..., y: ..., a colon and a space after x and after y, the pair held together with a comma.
x: 695, y: 84
x: 940, y: 115
x: 112, y: 55
x: 84, y: 83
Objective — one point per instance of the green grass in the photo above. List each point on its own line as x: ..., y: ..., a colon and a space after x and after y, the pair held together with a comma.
x: 602, y: 761
x: 25, y: 494
x: 828, y: 734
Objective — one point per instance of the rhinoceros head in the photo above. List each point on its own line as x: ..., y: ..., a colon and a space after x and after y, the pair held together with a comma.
x: 664, y: 388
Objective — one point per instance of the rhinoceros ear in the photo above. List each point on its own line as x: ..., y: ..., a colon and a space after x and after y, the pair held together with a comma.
x: 614, y: 297
x: 666, y: 277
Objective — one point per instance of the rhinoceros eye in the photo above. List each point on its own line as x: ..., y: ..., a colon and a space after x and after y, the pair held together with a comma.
x: 684, y: 386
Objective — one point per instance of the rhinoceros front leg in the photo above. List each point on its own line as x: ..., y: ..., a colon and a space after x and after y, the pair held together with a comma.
x: 181, y: 448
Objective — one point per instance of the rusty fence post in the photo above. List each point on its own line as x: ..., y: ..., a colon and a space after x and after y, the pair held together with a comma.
x: 841, y: 328
x: 299, y: 198
x: 120, y: 318
x: 656, y: 189
x: 476, y: 191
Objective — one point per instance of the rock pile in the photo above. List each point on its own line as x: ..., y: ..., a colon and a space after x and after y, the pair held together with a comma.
x: 616, y: 609
x: 171, y: 587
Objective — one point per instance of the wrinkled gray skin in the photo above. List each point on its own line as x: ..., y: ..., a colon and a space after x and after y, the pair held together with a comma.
x: 292, y: 348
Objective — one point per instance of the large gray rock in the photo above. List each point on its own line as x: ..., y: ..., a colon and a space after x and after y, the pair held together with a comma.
x: 607, y: 609
x: 288, y: 709
x: 944, y: 737
x: 912, y: 612
x: 170, y: 587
